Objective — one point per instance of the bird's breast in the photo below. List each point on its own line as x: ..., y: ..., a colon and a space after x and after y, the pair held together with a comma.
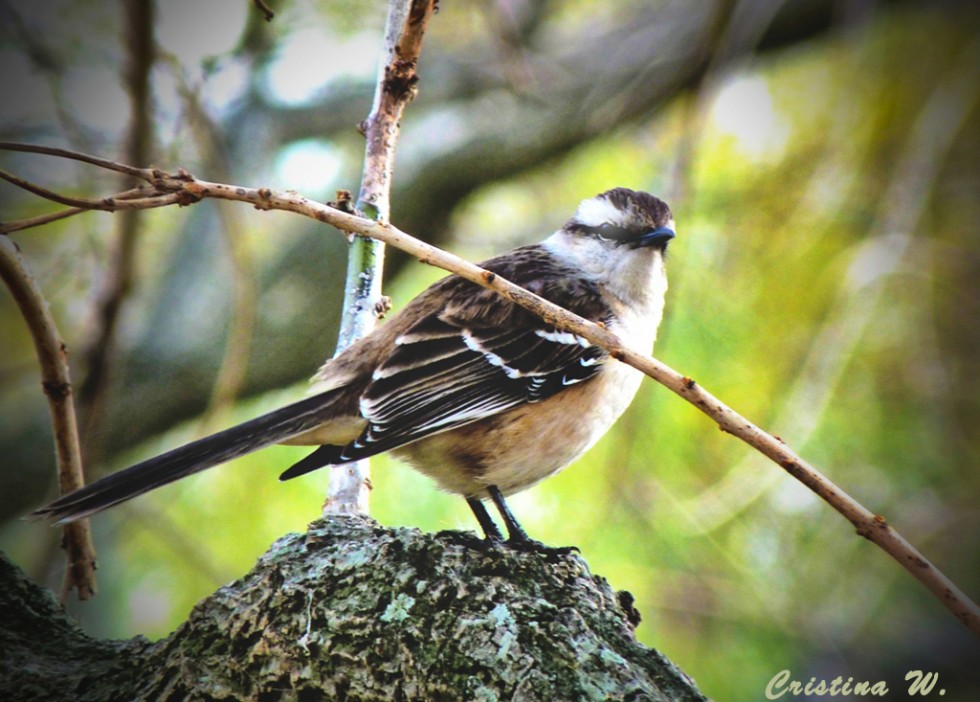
x: 520, y: 447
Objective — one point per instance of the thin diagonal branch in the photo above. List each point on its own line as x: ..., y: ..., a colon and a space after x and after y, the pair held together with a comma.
x: 56, y: 381
x: 40, y: 220
x: 875, y: 528
x: 112, y: 203
x: 43, y: 192
x: 142, y: 173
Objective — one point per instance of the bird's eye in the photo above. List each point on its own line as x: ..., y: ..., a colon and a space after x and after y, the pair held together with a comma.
x: 608, y: 231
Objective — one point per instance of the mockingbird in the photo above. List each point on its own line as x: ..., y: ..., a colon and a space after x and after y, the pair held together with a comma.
x: 467, y: 387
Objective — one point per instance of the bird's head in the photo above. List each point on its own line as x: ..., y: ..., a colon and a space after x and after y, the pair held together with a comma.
x: 618, y: 238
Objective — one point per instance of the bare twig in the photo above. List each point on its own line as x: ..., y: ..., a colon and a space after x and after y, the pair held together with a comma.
x: 142, y: 173
x: 112, y: 203
x: 869, y: 525
x: 264, y: 8
x: 41, y: 191
x: 21, y: 224
x: 55, y: 379
x: 350, y: 484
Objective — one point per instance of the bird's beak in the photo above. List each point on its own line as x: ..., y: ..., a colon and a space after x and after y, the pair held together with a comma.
x: 658, y: 237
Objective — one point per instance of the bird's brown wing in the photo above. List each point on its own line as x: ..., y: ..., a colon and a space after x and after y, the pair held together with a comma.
x: 474, y: 356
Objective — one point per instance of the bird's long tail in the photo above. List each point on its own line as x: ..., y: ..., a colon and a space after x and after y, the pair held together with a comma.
x: 192, y: 458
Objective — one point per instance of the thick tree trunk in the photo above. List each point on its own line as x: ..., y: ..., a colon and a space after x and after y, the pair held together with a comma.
x: 354, y: 611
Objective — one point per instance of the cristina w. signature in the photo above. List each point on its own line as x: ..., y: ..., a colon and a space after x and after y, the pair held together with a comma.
x: 782, y: 684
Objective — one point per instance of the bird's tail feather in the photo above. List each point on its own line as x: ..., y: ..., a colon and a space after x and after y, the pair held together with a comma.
x: 192, y: 458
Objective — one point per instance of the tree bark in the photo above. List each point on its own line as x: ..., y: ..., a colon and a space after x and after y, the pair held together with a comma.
x: 354, y: 611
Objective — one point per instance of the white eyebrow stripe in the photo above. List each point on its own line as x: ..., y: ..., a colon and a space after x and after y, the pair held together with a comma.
x: 596, y: 211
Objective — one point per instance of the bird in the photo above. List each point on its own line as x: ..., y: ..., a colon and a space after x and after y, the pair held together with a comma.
x: 464, y: 385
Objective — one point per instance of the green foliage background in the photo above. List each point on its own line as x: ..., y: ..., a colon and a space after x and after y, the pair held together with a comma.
x: 796, y: 297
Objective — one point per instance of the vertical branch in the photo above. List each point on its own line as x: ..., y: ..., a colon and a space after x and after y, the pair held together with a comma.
x: 97, y: 354
x: 56, y: 381
x: 363, y: 301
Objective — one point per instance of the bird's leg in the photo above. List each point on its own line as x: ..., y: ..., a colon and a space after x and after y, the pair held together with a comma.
x: 480, y: 512
x: 519, y: 539
x: 514, y: 530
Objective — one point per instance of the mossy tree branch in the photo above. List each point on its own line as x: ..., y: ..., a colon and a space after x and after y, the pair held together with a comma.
x: 350, y: 610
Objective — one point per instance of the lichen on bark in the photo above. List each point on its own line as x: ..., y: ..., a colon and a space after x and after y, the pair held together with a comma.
x: 354, y: 611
